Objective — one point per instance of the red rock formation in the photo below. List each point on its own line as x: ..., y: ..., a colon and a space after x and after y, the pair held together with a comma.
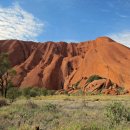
x: 59, y: 65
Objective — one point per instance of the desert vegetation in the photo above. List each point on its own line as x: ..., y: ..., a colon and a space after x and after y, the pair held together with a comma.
x: 34, y: 108
x: 63, y: 112
x: 6, y: 74
x: 92, y: 78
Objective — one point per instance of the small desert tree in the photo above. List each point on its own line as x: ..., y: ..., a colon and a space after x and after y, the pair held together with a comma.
x: 6, y: 74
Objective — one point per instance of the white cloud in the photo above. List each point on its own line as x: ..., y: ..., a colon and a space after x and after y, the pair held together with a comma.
x: 15, y: 23
x: 122, y: 15
x: 121, y: 37
x: 71, y: 41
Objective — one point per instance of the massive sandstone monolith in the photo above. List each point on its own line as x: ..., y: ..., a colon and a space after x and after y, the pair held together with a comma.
x: 57, y: 65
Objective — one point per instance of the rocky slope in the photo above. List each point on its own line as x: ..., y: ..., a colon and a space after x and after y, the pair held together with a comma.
x: 60, y: 65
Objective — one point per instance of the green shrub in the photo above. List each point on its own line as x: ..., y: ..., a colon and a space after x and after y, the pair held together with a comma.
x: 116, y: 113
x: 46, y: 92
x: 3, y: 102
x: 26, y: 92
x: 50, y: 107
x: 30, y: 104
x: 79, y: 93
x: 120, y: 90
x: 35, y: 91
x: 13, y: 93
x: 93, y: 77
x: 31, y: 92
x: 50, y: 92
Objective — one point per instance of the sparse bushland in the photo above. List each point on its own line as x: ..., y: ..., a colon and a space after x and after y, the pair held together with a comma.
x: 117, y: 113
x: 13, y: 93
x: 57, y: 113
x: 35, y: 91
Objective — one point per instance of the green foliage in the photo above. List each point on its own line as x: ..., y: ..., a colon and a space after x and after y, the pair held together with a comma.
x: 4, y: 63
x: 54, y: 113
x: 30, y: 104
x: 93, y: 77
x: 51, y: 107
x: 12, y: 72
x: 3, y: 102
x: 29, y: 92
x: 78, y: 93
x: 49, y: 92
x: 65, y: 92
x: 120, y: 90
x: 116, y: 113
x: 13, y: 93
x: 6, y: 74
x: 35, y: 91
x: 75, y: 86
x: 26, y: 92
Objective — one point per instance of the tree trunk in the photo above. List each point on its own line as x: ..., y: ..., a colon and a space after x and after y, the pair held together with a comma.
x: 2, y: 92
x: 6, y: 85
x: 5, y: 93
x: 1, y: 87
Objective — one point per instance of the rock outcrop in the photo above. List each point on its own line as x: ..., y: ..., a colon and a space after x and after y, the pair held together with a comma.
x: 58, y: 65
x: 94, y: 85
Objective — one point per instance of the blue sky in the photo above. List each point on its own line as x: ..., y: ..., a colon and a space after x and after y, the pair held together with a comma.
x: 65, y: 20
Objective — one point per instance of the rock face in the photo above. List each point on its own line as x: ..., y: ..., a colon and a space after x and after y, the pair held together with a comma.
x: 96, y: 86
x: 103, y: 86
x: 59, y: 65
